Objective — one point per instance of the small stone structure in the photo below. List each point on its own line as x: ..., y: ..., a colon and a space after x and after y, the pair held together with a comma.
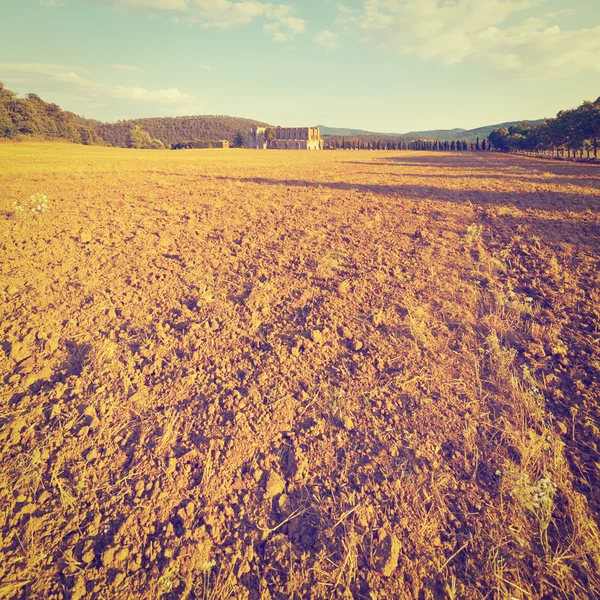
x: 222, y: 144
x: 286, y: 138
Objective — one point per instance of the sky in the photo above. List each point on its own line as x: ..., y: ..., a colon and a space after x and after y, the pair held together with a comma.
x: 380, y: 65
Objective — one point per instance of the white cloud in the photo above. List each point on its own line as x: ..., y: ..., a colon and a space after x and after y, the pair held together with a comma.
x: 455, y: 31
x: 145, y: 4
x: 52, y: 3
x: 128, y: 68
x: 293, y: 24
x: 207, y: 67
x: 285, y: 29
x: 66, y: 80
x: 280, y: 36
x: 326, y: 38
x: 220, y: 14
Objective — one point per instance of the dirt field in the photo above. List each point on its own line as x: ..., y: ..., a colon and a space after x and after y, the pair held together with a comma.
x: 243, y: 374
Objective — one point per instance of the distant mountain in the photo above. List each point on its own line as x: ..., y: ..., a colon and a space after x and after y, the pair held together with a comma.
x: 174, y: 130
x: 344, y: 132
x: 436, y: 134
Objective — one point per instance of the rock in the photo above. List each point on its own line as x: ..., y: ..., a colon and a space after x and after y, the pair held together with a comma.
x: 12, y: 289
x: 348, y: 422
x: 28, y: 509
x: 356, y: 345
x: 19, y: 352
x: 108, y: 557
x: 51, y: 345
x: 79, y: 590
x: 317, y: 336
x: 121, y: 555
x: 42, y: 375
x: 138, y: 488
x: 92, y: 415
x: 26, y: 366
x: 284, y: 502
x: 85, y: 237
x: 386, y: 553
x: 275, y: 485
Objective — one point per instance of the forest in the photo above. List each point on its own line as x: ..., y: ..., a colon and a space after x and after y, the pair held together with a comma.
x: 32, y: 116
x: 173, y: 131
x: 573, y: 132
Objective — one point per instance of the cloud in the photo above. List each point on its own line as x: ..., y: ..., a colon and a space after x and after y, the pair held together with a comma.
x: 285, y: 29
x: 68, y: 81
x: 220, y: 14
x: 128, y: 68
x: 454, y: 31
x: 144, y: 4
x: 326, y: 38
x: 293, y: 24
x: 52, y: 3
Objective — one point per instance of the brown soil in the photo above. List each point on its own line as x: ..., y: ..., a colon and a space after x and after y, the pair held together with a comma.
x: 238, y: 374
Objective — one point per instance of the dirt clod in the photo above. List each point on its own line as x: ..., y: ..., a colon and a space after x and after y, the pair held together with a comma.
x: 19, y: 351
x: 387, y: 552
x: 275, y: 485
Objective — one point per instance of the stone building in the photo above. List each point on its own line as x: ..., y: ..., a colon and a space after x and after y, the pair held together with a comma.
x: 222, y: 144
x: 286, y: 138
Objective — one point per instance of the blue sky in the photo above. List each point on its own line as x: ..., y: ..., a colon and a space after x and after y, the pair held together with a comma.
x: 382, y: 65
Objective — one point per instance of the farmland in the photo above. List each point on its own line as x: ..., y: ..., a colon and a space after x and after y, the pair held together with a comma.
x: 243, y: 374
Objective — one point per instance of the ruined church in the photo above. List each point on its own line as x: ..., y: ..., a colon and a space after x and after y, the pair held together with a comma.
x: 286, y: 138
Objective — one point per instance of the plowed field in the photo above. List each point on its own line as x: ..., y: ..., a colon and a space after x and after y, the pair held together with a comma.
x: 243, y: 374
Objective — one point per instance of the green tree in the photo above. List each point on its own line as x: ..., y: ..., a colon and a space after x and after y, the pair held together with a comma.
x: 270, y: 134
x: 238, y: 140
x: 499, y: 139
x: 6, y: 124
x: 140, y: 139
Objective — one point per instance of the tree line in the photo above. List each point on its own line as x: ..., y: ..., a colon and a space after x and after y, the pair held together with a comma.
x: 572, y: 132
x: 238, y: 142
x: 173, y: 131
x: 31, y: 116
x: 401, y: 143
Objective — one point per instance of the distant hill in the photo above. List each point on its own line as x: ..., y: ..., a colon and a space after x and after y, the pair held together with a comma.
x: 436, y: 134
x: 174, y: 130
x: 345, y: 132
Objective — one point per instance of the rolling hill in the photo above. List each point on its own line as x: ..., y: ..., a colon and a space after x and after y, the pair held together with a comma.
x: 174, y: 130
x: 436, y: 134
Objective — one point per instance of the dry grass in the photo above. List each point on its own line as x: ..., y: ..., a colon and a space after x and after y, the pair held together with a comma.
x: 236, y: 374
